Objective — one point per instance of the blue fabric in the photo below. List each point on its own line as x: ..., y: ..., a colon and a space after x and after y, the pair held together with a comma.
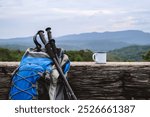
x: 66, y: 67
x: 46, y: 63
x: 30, y: 70
x: 24, y: 80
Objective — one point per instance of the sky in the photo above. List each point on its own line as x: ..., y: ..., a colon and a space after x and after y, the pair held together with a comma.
x: 21, y: 18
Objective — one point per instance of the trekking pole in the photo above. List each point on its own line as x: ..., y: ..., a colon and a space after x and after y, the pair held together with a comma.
x: 51, y: 54
x: 49, y: 34
x: 38, y: 45
x: 52, y: 43
x: 54, y: 48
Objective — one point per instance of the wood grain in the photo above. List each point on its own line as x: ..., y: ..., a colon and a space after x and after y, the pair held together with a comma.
x: 90, y: 81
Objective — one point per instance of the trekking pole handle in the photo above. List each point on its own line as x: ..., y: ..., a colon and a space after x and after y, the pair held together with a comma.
x: 52, y: 42
x: 49, y: 34
x: 47, y: 45
x: 38, y: 45
x: 41, y: 34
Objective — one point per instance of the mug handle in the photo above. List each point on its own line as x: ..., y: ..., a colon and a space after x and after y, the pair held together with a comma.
x: 93, y: 57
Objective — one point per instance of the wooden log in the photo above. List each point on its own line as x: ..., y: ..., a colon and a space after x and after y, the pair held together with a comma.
x: 5, y: 76
x: 116, y: 80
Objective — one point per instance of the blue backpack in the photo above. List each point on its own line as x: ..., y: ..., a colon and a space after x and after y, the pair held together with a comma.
x: 36, y: 77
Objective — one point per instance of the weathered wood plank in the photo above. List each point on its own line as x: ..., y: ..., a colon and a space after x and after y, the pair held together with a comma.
x: 114, y: 80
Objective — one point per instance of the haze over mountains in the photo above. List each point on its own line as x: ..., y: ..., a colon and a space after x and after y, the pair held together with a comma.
x: 95, y: 41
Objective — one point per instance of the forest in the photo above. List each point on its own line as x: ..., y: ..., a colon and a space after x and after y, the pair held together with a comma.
x: 126, y: 54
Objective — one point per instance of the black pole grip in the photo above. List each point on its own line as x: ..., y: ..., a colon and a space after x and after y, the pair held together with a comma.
x: 49, y: 34
x: 47, y: 45
x: 52, y: 42
x: 38, y: 45
x: 42, y: 37
x: 49, y: 50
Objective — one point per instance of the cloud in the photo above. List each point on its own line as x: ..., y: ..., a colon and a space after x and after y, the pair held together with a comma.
x: 16, y: 11
x: 80, y: 11
x: 76, y: 15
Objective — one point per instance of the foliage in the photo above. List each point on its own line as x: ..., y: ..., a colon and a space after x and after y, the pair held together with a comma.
x: 82, y: 55
x: 128, y: 54
x: 10, y: 55
x: 131, y: 53
x: 16, y: 55
x: 146, y: 56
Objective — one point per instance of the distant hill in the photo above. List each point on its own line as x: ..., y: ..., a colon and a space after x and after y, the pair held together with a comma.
x: 131, y: 53
x: 20, y: 43
x: 95, y: 41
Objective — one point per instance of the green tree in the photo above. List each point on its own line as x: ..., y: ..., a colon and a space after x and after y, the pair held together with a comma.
x: 146, y: 56
x: 82, y: 55
x: 10, y: 55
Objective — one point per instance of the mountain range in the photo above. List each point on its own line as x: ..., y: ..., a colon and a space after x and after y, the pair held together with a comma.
x: 95, y: 41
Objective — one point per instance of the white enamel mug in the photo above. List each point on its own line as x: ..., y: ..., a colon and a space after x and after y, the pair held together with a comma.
x: 99, y: 57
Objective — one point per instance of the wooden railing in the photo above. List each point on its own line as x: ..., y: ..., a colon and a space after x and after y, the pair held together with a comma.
x: 90, y: 81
